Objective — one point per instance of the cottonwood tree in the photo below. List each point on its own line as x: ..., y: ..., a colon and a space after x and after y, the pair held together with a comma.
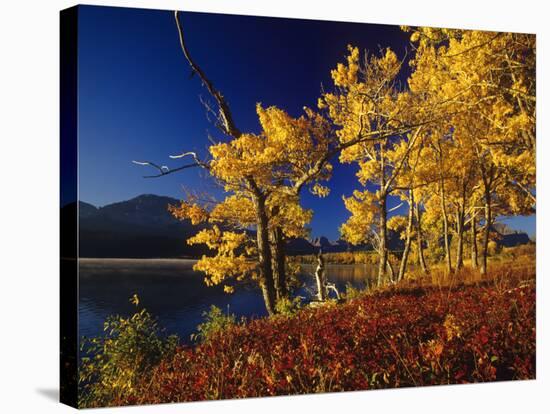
x: 257, y: 170
x: 368, y: 100
x: 485, y: 83
x: 266, y: 172
x: 408, y: 185
x: 263, y: 175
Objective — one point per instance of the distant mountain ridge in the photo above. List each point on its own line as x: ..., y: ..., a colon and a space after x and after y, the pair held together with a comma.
x: 142, y: 227
x: 508, y: 237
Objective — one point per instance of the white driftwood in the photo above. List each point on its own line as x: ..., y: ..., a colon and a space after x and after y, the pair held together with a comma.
x: 320, y: 278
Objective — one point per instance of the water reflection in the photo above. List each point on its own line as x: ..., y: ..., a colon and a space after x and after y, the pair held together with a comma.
x: 174, y: 293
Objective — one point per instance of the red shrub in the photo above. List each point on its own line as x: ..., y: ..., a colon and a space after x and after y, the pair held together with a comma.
x: 420, y: 337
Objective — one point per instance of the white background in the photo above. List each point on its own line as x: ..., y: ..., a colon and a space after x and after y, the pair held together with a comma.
x: 29, y: 194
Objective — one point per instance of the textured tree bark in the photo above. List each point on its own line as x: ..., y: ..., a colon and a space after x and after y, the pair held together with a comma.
x: 264, y: 254
x: 320, y: 277
x: 389, y: 267
x: 278, y: 263
x: 473, y: 231
x: 407, y: 248
x: 486, y: 231
x: 460, y: 238
x: 383, y: 230
x: 420, y: 239
x: 445, y: 228
x: 383, y: 249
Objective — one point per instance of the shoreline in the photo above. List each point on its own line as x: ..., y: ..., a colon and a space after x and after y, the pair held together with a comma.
x: 135, y: 259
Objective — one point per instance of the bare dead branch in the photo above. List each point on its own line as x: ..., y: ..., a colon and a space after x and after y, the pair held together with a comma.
x: 186, y: 154
x: 164, y: 170
x: 395, y: 208
x: 226, y: 119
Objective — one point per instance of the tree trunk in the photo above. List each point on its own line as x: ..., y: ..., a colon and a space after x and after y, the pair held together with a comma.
x: 383, y: 250
x: 460, y: 238
x: 383, y: 231
x: 390, y: 269
x: 486, y: 232
x: 278, y: 263
x: 264, y: 255
x: 420, y: 239
x: 407, y: 248
x: 320, y: 277
x: 445, y: 228
x: 473, y: 231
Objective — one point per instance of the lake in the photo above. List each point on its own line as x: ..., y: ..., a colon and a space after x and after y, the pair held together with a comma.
x: 171, y: 291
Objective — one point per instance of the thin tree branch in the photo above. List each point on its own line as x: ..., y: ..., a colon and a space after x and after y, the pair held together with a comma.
x: 227, y: 123
x: 164, y: 170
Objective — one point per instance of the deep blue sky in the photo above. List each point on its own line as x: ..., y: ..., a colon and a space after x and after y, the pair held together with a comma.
x: 137, y: 100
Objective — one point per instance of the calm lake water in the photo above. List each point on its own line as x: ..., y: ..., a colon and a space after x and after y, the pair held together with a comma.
x: 175, y: 294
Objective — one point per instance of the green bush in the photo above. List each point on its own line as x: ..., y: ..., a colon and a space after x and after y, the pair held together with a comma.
x: 125, y: 354
x: 215, y: 321
x: 288, y: 307
x: 352, y: 292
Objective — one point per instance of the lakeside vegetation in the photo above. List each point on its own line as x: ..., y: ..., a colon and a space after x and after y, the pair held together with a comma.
x: 496, y: 254
x: 463, y: 329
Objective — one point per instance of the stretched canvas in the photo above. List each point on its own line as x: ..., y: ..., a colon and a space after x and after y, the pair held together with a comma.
x: 256, y: 206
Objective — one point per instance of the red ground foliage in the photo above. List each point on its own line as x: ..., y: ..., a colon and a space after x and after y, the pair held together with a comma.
x: 385, y: 340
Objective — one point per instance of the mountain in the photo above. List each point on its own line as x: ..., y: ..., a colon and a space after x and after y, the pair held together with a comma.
x: 299, y: 246
x: 321, y: 242
x: 145, y: 210
x: 86, y: 210
x: 508, y: 237
x: 139, y: 228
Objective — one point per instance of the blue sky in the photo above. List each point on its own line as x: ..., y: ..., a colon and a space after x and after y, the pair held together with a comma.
x: 138, y: 101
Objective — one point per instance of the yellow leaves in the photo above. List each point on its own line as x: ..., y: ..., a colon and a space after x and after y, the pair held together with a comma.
x: 231, y: 242
x: 389, y: 64
x: 210, y: 237
x: 251, y: 250
x: 281, y: 153
x: 482, y: 86
x: 290, y: 216
x: 367, y: 103
x: 280, y: 128
x: 363, y: 208
x: 345, y: 76
x: 320, y: 190
x: 191, y: 211
x: 244, y: 156
x: 220, y: 268
x: 452, y: 329
x: 292, y: 144
x: 397, y: 223
x: 225, y: 242
x: 368, y: 170
x: 232, y: 255
x: 134, y: 299
x: 236, y: 210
